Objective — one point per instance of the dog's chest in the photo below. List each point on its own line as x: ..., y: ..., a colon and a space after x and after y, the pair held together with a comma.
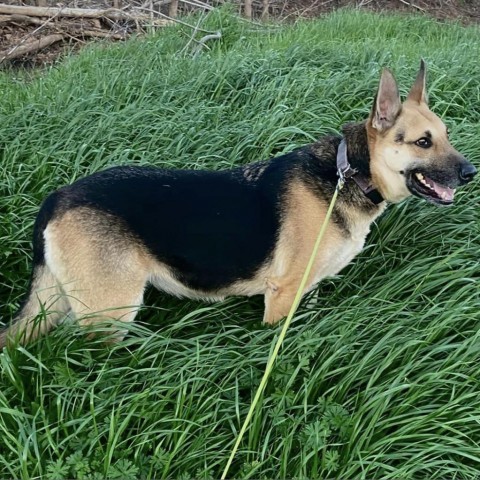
x: 341, y: 243
x: 341, y: 246
x: 336, y: 253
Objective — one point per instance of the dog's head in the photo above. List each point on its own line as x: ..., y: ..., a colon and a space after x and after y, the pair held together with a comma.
x: 409, y: 149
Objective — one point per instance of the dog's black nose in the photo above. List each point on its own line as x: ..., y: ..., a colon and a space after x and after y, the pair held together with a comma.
x: 467, y: 172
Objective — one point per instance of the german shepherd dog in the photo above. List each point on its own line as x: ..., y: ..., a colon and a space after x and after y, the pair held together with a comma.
x: 207, y: 235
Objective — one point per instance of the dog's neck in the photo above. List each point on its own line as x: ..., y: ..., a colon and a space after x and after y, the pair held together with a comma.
x: 322, y: 166
x: 359, y: 172
x: 358, y: 155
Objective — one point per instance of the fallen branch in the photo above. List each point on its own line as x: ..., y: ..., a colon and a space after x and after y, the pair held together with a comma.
x: 111, y: 13
x: 66, y: 19
x: 21, y: 19
x: 30, y: 47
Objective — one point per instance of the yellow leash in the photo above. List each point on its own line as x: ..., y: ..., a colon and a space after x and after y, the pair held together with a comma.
x: 292, y: 311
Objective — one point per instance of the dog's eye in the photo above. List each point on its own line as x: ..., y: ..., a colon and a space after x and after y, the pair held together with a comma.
x: 424, y: 142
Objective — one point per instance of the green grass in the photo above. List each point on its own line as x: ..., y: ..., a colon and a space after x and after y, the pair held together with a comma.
x: 379, y: 377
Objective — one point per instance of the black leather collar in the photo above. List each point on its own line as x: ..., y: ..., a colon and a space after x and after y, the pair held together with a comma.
x: 345, y: 171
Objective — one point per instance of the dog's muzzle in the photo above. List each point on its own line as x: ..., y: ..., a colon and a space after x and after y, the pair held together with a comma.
x: 438, y: 185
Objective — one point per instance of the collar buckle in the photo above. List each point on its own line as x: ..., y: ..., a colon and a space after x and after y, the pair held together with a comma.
x: 347, y: 173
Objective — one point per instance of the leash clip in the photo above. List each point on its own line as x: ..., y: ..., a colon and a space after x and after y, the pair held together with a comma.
x: 347, y: 173
x: 344, y: 169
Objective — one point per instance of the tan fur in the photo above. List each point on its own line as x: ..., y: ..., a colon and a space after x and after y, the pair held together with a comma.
x: 389, y: 158
x: 101, y: 272
x: 253, y: 172
x: 304, y: 215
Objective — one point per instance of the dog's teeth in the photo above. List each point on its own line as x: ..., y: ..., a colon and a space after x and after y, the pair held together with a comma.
x: 424, y: 182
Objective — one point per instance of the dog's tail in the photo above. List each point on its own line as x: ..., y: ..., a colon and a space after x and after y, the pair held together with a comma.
x: 45, y: 304
x: 42, y: 309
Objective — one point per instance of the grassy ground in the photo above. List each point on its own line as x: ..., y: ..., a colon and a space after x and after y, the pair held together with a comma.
x: 379, y: 378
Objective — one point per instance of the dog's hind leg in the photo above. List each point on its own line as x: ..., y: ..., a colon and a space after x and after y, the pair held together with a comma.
x: 97, y: 300
x: 102, y: 272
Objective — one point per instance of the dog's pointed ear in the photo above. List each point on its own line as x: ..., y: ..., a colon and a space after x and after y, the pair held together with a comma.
x: 418, y: 93
x: 387, y: 104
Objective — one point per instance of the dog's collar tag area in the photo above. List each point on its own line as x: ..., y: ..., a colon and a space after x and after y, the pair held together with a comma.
x: 345, y: 171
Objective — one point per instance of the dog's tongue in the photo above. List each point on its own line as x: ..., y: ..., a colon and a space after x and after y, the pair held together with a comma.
x: 444, y: 193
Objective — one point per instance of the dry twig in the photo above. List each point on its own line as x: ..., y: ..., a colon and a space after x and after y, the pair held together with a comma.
x: 247, y: 9
x: 265, y: 5
x: 410, y: 4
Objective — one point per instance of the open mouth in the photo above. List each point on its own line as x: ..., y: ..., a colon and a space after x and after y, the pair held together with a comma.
x: 425, y: 187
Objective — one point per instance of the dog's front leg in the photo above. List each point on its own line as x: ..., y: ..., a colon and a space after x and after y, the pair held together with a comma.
x: 279, y: 297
